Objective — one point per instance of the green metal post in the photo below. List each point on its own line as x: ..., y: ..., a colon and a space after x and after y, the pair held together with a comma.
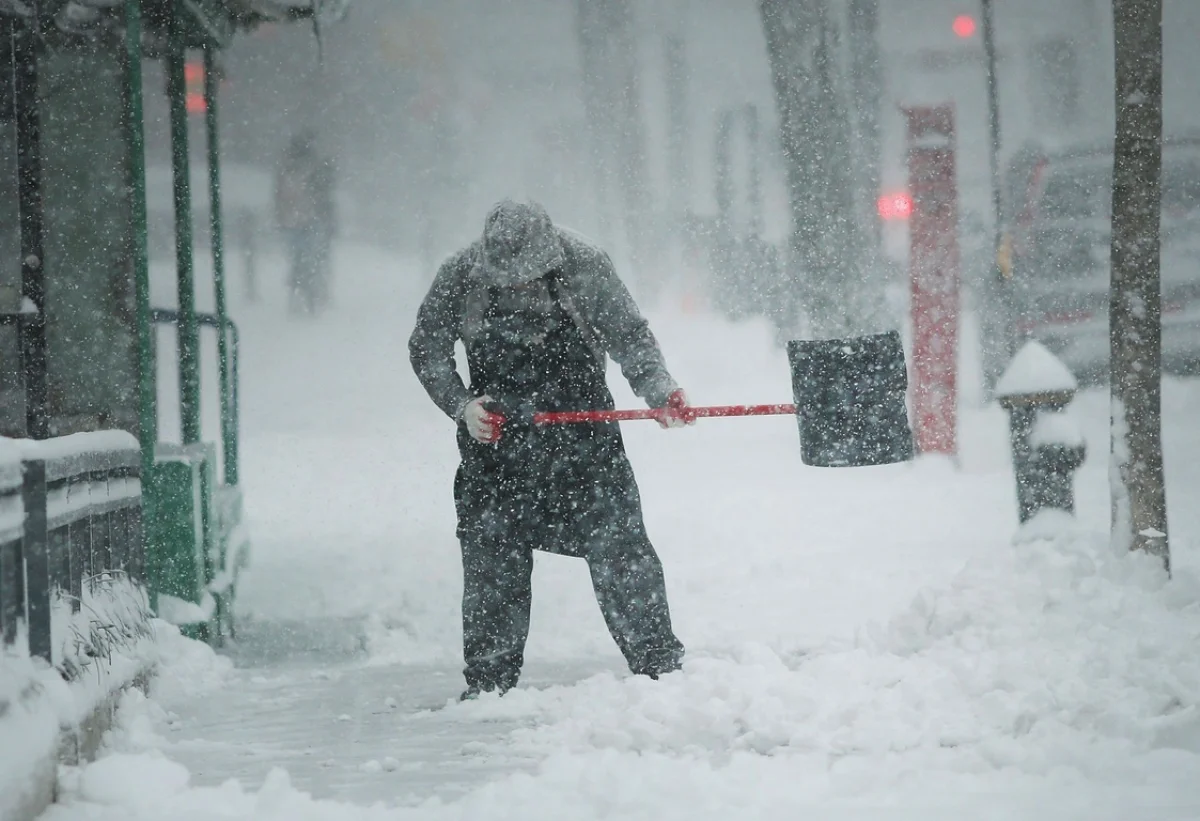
x: 189, y: 336
x: 134, y: 122
x: 229, y: 443
x: 32, y: 328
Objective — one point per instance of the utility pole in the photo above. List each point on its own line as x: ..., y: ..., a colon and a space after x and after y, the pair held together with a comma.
x: 1138, y: 485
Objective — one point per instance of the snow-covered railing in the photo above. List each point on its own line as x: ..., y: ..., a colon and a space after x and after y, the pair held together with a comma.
x: 72, y: 563
x: 75, y: 625
x: 12, y: 523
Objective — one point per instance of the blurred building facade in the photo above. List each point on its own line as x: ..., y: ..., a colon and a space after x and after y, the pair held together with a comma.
x: 1054, y: 69
x: 436, y: 108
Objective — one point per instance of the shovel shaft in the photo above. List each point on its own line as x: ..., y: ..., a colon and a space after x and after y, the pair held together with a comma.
x: 569, y: 417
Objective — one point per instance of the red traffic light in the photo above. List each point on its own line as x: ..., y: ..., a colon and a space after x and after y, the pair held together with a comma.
x: 193, y: 72
x: 898, y: 206
x: 193, y: 76
x: 964, y: 25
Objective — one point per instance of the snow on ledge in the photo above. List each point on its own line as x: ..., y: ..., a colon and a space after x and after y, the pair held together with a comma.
x: 74, y: 444
x: 1035, y: 370
x: 10, y: 462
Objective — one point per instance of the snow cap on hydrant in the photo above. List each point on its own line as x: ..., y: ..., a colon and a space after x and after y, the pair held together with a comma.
x: 1035, y: 371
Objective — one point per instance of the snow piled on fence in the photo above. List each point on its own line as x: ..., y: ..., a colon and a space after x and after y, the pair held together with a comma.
x: 103, y: 642
x: 12, y: 514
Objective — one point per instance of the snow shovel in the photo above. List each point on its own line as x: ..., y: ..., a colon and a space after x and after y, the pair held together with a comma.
x: 849, y: 402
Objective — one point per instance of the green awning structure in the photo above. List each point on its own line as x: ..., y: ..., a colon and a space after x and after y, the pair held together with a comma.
x: 209, y: 23
x: 72, y: 73
x: 215, y: 22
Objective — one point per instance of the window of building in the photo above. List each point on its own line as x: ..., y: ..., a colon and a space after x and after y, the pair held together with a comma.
x: 1057, y: 85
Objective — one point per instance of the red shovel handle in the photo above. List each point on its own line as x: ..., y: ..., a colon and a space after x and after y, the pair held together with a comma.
x: 568, y: 417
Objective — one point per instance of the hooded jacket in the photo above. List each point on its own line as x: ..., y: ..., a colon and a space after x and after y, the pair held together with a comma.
x: 588, y: 289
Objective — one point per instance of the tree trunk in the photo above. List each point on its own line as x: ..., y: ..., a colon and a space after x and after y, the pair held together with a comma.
x: 631, y: 131
x: 1135, y: 327
x: 678, y: 164
x: 867, y: 90
x: 608, y: 47
x: 826, y: 238
x: 597, y: 104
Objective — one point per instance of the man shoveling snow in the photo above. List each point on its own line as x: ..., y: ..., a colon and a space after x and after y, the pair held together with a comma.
x: 538, y: 310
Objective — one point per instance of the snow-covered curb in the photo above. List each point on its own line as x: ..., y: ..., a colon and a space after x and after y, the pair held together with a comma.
x: 60, y: 722
x: 103, y: 644
x: 29, y: 727
x: 46, y: 720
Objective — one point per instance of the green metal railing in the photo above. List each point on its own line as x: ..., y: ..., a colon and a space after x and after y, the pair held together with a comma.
x: 193, y: 549
x: 189, y: 337
x: 135, y: 125
x: 229, y: 340
x: 228, y: 420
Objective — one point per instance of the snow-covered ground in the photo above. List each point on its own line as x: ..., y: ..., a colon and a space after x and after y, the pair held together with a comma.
x: 870, y: 638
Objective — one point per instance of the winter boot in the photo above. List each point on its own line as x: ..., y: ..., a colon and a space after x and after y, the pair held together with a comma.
x: 474, y: 691
x: 658, y: 661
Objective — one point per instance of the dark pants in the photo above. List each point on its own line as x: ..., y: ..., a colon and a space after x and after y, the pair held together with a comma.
x: 309, y: 256
x: 503, y: 519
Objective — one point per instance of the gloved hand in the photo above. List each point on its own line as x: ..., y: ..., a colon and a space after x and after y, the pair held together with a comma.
x: 678, y: 412
x: 483, y: 425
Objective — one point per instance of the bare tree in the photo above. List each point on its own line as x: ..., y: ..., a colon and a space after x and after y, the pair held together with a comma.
x: 612, y: 98
x: 1139, y: 503
x: 678, y: 165
x: 597, y: 106
x: 827, y: 238
x: 866, y: 70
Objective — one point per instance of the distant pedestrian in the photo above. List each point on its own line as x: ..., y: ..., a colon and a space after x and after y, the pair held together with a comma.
x: 306, y: 216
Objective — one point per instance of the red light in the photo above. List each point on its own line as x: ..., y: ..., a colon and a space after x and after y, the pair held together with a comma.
x: 196, y: 104
x: 964, y: 25
x: 895, y: 206
x: 193, y: 72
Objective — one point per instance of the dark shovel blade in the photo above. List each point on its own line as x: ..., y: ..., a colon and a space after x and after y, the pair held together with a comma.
x: 850, y: 400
